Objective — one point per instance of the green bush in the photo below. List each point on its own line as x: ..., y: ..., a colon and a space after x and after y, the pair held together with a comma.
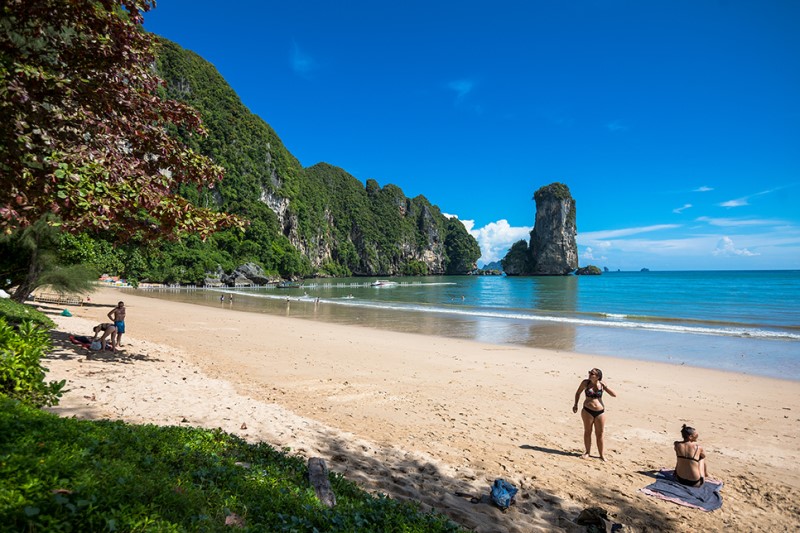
x: 64, y: 474
x: 15, y: 313
x: 22, y: 375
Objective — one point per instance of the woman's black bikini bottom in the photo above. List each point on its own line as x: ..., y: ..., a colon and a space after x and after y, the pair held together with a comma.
x: 594, y: 413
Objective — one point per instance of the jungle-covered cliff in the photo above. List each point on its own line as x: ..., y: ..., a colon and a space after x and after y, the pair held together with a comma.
x: 302, y: 221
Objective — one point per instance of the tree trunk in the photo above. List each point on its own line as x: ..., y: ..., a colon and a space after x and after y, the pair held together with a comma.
x: 31, y: 280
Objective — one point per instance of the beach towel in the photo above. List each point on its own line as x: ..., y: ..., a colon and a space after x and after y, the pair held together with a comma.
x: 87, y: 343
x: 705, y: 497
x: 80, y: 340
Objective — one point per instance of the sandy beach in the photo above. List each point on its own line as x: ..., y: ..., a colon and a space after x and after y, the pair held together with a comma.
x: 423, y: 417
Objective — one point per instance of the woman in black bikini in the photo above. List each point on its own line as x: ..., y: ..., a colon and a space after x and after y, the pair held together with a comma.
x: 593, y: 410
x: 690, y: 469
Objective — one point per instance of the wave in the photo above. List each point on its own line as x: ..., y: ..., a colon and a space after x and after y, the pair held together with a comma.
x: 606, y: 320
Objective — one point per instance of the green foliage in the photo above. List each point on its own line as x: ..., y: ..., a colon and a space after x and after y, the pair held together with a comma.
x: 80, y: 122
x: 589, y: 270
x: 22, y: 375
x: 329, y: 217
x: 366, y: 229
x: 415, y: 268
x: 29, y: 258
x: 64, y: 474
x: 64, y: 152
x: 462, y: 250
x: 14, y: 313
x: 555, y: 190
x: 518, y: 258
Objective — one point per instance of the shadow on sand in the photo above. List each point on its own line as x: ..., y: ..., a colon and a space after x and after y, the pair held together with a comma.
x: 63, y: 348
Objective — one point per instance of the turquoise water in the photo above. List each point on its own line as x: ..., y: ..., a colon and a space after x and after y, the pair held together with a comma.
x: 743, y: 321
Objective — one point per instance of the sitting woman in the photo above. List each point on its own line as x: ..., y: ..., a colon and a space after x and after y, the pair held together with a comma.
x: 107, y: 329
x: 690, y: 470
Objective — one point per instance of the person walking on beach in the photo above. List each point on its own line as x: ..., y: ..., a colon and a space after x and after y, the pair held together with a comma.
x: 690, y: 468
x: 118, y: 316
x: 593, y: 412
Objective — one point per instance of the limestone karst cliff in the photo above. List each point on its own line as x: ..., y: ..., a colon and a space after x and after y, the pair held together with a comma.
x: 313, y: 221
x: 553, y: 250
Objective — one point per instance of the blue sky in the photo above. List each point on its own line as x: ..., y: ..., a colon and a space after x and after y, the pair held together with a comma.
x: 675, y: 124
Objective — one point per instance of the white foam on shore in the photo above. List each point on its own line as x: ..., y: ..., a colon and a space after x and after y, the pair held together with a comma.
x: 613, y: 321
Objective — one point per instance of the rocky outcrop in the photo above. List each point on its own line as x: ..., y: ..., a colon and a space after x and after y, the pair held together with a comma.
x: 553, y: 250
x: 249, y: 273
x: 517, y: 261
x: 589, y: 270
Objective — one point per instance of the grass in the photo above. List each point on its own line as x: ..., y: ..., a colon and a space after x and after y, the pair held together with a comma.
x: 64, y: 474
x: 15, y: 313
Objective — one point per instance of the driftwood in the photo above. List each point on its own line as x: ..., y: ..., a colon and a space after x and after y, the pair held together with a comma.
x: 318, y: 477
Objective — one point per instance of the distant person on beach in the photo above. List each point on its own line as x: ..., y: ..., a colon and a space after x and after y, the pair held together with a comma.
x: 230, y: 298
x: 221, y: 298
x: 108, y: 330
x: 118, y: 316
x: 593, y: 412
x: 690, y: 468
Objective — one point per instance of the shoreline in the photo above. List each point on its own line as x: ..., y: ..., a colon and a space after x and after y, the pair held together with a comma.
x: 422, y: 417
x: 772, y: 358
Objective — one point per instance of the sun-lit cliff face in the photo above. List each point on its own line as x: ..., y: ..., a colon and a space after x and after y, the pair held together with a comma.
x: 553, y: 250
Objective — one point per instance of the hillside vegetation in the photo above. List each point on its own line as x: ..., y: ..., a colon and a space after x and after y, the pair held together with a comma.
x: 316, y: 221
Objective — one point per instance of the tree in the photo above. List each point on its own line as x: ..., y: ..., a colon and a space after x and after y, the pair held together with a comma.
x: 29, y: 259
x: 84, y: 129
x: 462, y: 249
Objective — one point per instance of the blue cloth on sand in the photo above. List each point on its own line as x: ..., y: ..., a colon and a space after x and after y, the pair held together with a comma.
x: 705, y: 497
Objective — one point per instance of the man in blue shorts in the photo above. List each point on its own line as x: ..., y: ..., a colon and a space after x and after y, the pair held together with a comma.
x: 118, y: 316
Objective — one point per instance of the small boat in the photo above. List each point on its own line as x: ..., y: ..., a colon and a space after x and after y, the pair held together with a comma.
x: 383, y: 283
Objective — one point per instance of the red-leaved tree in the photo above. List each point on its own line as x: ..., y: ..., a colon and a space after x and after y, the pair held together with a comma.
x: 84, y: 130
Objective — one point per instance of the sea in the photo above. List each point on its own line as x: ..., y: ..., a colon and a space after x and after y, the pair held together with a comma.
x: 737, y: 321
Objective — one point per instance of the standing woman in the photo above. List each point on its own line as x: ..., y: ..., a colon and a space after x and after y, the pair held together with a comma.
x: 593, y: 412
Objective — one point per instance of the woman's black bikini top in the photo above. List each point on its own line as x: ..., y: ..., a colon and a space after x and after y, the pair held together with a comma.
x: 693, y: 457
x: 591, y: 393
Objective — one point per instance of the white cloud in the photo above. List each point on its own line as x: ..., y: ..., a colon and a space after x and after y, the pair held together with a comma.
x: 739, y: 222
x: 467, y: 223
x: 725, y: 247
x: 703, y: 189
x: 461, y: 87
x: 616, y: 125
x: 495, y: 238
x: 626, y: 232
x: 678, y: 210
x: 739, y: 202
x: 302, y: 63
x: 588, y: 253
